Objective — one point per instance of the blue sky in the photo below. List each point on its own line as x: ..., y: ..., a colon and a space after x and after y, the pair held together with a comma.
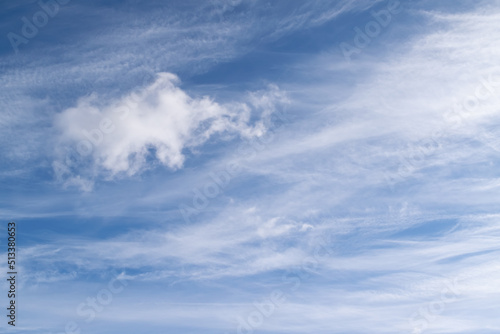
x: 247, y: 166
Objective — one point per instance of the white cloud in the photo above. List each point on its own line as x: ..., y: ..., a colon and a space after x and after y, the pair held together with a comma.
x: 157, y: 122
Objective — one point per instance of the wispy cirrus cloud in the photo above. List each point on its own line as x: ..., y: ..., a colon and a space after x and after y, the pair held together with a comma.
x: 396, y: 240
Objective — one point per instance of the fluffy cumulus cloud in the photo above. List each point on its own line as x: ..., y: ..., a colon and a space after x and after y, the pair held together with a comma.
x: 154, y: 124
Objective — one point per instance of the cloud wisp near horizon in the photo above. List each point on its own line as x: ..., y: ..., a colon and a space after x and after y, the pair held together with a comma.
x: 243, y: 166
